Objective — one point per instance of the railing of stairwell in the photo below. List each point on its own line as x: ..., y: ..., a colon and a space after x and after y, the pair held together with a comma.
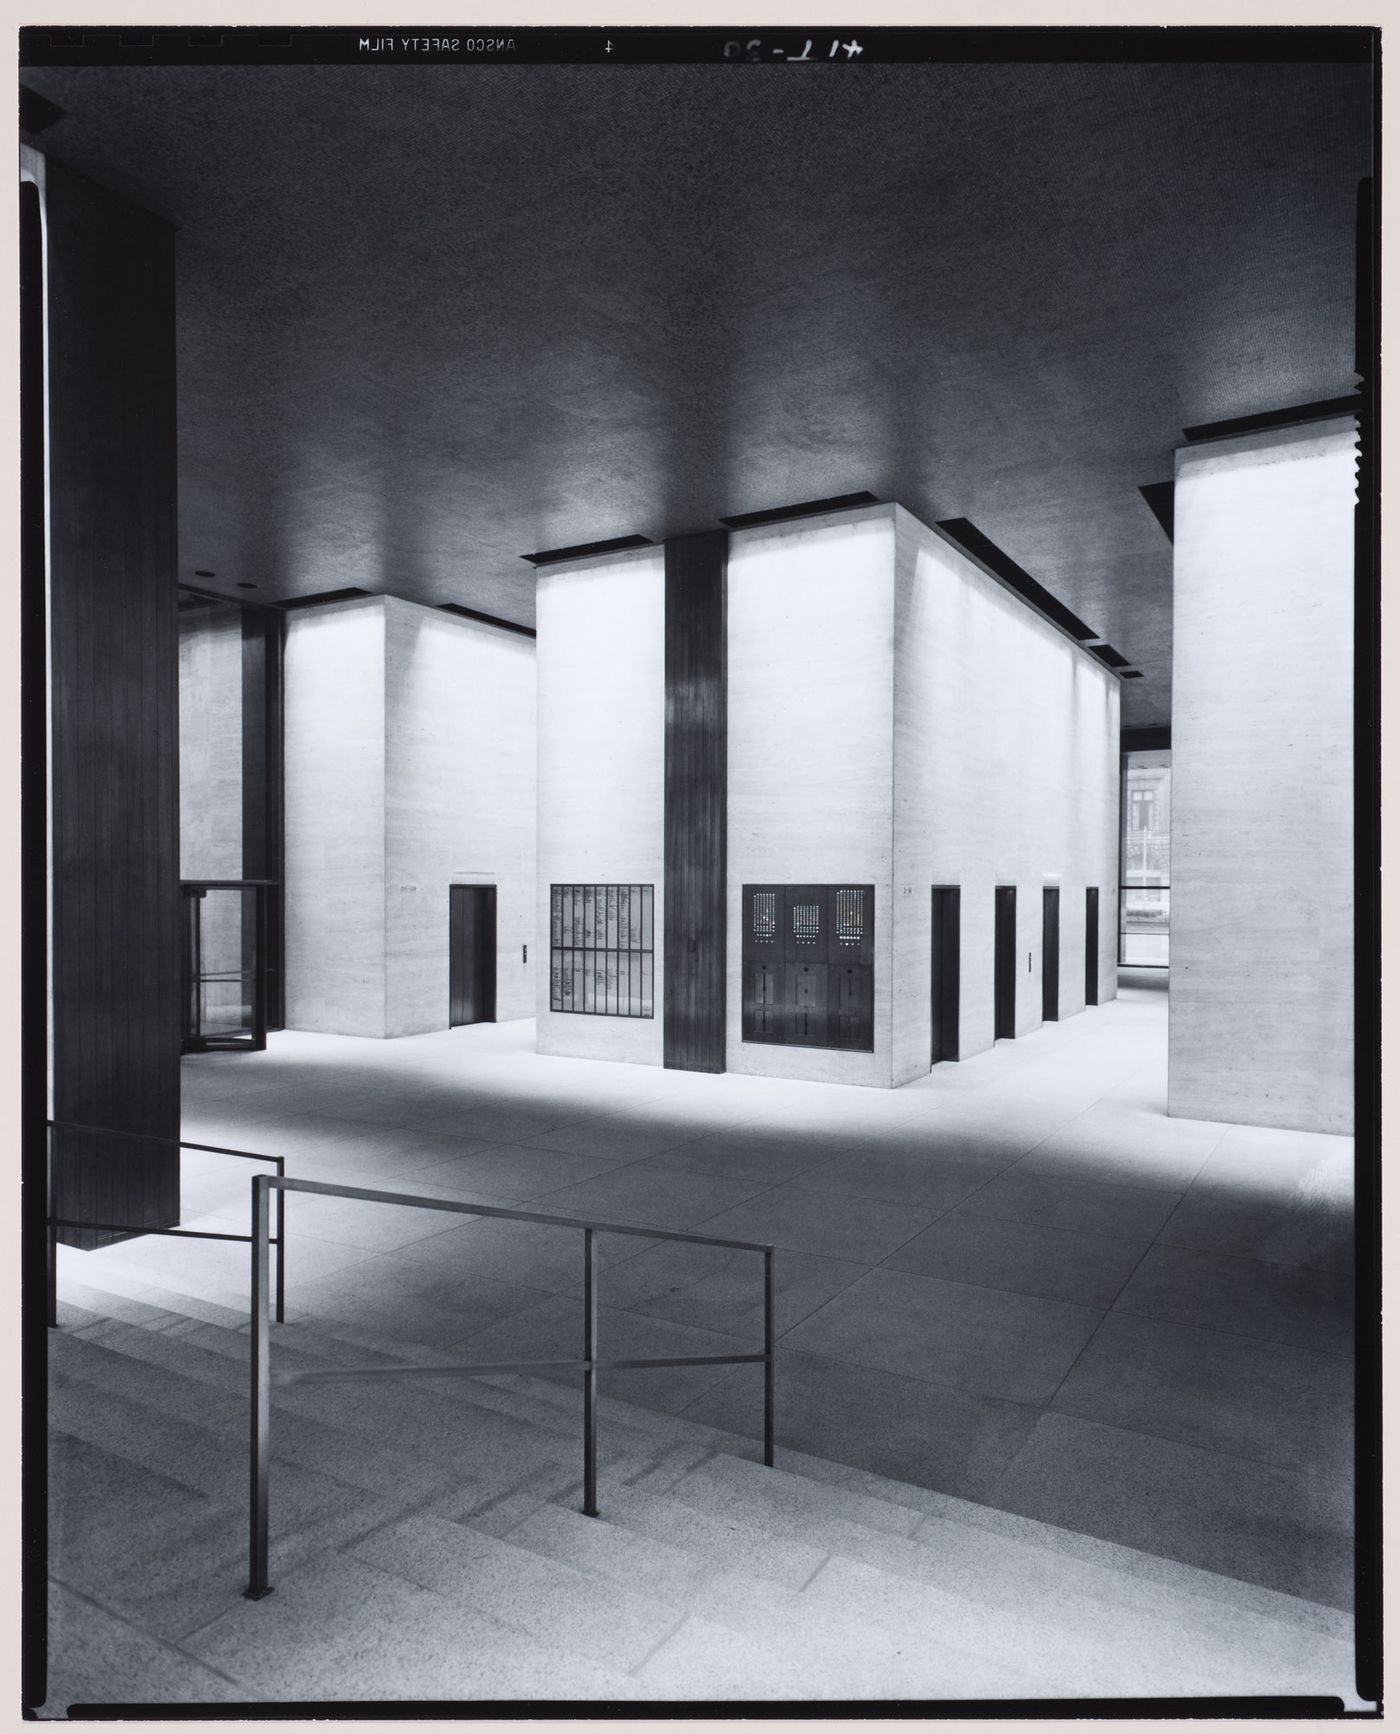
x: 260, y: 1365
x: 56, y: 1222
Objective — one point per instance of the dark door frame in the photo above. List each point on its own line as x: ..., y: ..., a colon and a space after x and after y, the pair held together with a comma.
x: 485, y: 975
x: 1091, y: 945
x: 1050, y: 954
x: 1004, y: 965
x: 945, y: 973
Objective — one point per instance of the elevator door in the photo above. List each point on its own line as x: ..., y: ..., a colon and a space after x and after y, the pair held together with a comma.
x: 1005, y: 1024
x: 943, y: 972
x: 1050, y: 954
x: 472, y: 941
x: 1091, y: 945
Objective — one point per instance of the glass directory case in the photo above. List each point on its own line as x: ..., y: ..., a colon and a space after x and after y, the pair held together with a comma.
x: 225, y: 964
x: 601, y: 950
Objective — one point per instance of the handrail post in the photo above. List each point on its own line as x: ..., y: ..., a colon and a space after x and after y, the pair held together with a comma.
x: 281, y: 1244
x: 260, y: 1395
x: 590, y: 1374
x: 768, y: 1356
x: 51, y: 1231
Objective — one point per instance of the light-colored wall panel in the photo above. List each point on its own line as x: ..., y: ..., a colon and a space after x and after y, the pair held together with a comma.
x: 810, y: 745
x: 1006, y: 773
x: 334, y: 730
x: 1261, y: 1013
x: 460, y: 804
x: 211, y: 743
x: 601, y: 628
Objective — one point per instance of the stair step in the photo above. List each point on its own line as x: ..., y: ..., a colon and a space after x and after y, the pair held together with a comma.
x: 1076, y: 1646
x: 718, y: 1542
x: 1019, y: 1573
x: 96, y: 1658
x: 591, y: 1544
x: 547, y: 1600
x: 785, y: 1504
x: 798, y: 1658
x: 340, y: 1628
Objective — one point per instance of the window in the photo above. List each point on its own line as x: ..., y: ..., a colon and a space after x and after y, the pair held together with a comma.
x: 601, y: 957
x: 1144, y: 907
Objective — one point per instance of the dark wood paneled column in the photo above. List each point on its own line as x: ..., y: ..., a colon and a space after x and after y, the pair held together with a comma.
x: 114, y: 681
x: 697, y: 789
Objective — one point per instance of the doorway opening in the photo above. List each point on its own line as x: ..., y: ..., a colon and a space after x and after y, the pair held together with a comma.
x: 944, y: 984
x: 1005, y: 1021
x: 1091, y: 945
x: 1050, y: 954
x: 472, y: 942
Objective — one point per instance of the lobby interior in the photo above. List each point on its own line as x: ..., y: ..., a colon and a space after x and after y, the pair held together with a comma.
x: 1042, y: 577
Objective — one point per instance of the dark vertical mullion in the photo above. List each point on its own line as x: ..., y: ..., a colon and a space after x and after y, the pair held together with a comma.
x: 693, y: 925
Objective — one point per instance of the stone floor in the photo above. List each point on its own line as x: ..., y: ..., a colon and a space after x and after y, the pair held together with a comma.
x: 1015, y: 1281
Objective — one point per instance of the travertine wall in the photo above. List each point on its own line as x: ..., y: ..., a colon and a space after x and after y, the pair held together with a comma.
x: 333, y: 710
x: 410, y: 767
x: 1005, y: 773
x: 1261, y: 1010
x: 811, y: 733
x: 459, y: 804
x: 895, y: 718
x: 601, y: 627
x: 211, y: 743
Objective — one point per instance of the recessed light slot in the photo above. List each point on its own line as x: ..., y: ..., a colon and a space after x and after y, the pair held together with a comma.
x: 807, y: 509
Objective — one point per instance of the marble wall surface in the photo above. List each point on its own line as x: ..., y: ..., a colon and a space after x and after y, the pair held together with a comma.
x: 602, y: 737
x: 811, y: 738
x: 459, y: 805
x: 1261, y: 1024
x: 211, y: 743
x: 410, y: 767
x: 895, y: 718
x: 1005, y: 773
x: 333, y: 708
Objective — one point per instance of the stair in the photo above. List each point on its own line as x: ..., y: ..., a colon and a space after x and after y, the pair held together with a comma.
x: 427, y: 1545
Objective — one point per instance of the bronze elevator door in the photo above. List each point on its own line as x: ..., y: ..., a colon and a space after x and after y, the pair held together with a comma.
x: 472, y: 943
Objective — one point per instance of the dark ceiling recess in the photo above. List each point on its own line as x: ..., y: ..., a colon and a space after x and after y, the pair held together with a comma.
x: 324, y: 596
x: 1106, y: 653
x: 807, y: 509
x: 1299, y: 412
x: 582, y: 550
x: 36, y: 113
x: 1161, y: 498
x: 202, y: 572
x: 971, y: 540
x: 486, y: 619
x: 1132, y: 674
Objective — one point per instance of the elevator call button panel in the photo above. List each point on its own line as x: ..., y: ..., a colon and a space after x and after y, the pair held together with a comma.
x: 808, y: 958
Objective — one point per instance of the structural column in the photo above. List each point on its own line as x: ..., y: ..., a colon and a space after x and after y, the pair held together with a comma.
x: 114, y: 945
x: 696, y: 799
x: 1261, y: 1025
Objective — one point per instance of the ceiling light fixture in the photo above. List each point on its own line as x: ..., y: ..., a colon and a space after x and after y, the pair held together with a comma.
x: 583, y: 550
x: 806, y: 509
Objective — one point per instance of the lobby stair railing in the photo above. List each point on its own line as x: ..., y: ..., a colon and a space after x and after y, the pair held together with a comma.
x: 133, y: 1229
x: 262, y: 1377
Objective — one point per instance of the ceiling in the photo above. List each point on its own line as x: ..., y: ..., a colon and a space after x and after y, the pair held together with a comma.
x: 434, y: 318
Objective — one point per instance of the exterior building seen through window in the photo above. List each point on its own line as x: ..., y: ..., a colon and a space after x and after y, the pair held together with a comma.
x: 1144, y: 921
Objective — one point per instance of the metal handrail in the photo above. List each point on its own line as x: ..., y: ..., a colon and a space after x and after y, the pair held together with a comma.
x: 54, y: 1223
x: 260, y: 1362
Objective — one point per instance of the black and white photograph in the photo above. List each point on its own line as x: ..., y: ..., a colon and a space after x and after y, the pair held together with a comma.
x: 699, y: 1024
